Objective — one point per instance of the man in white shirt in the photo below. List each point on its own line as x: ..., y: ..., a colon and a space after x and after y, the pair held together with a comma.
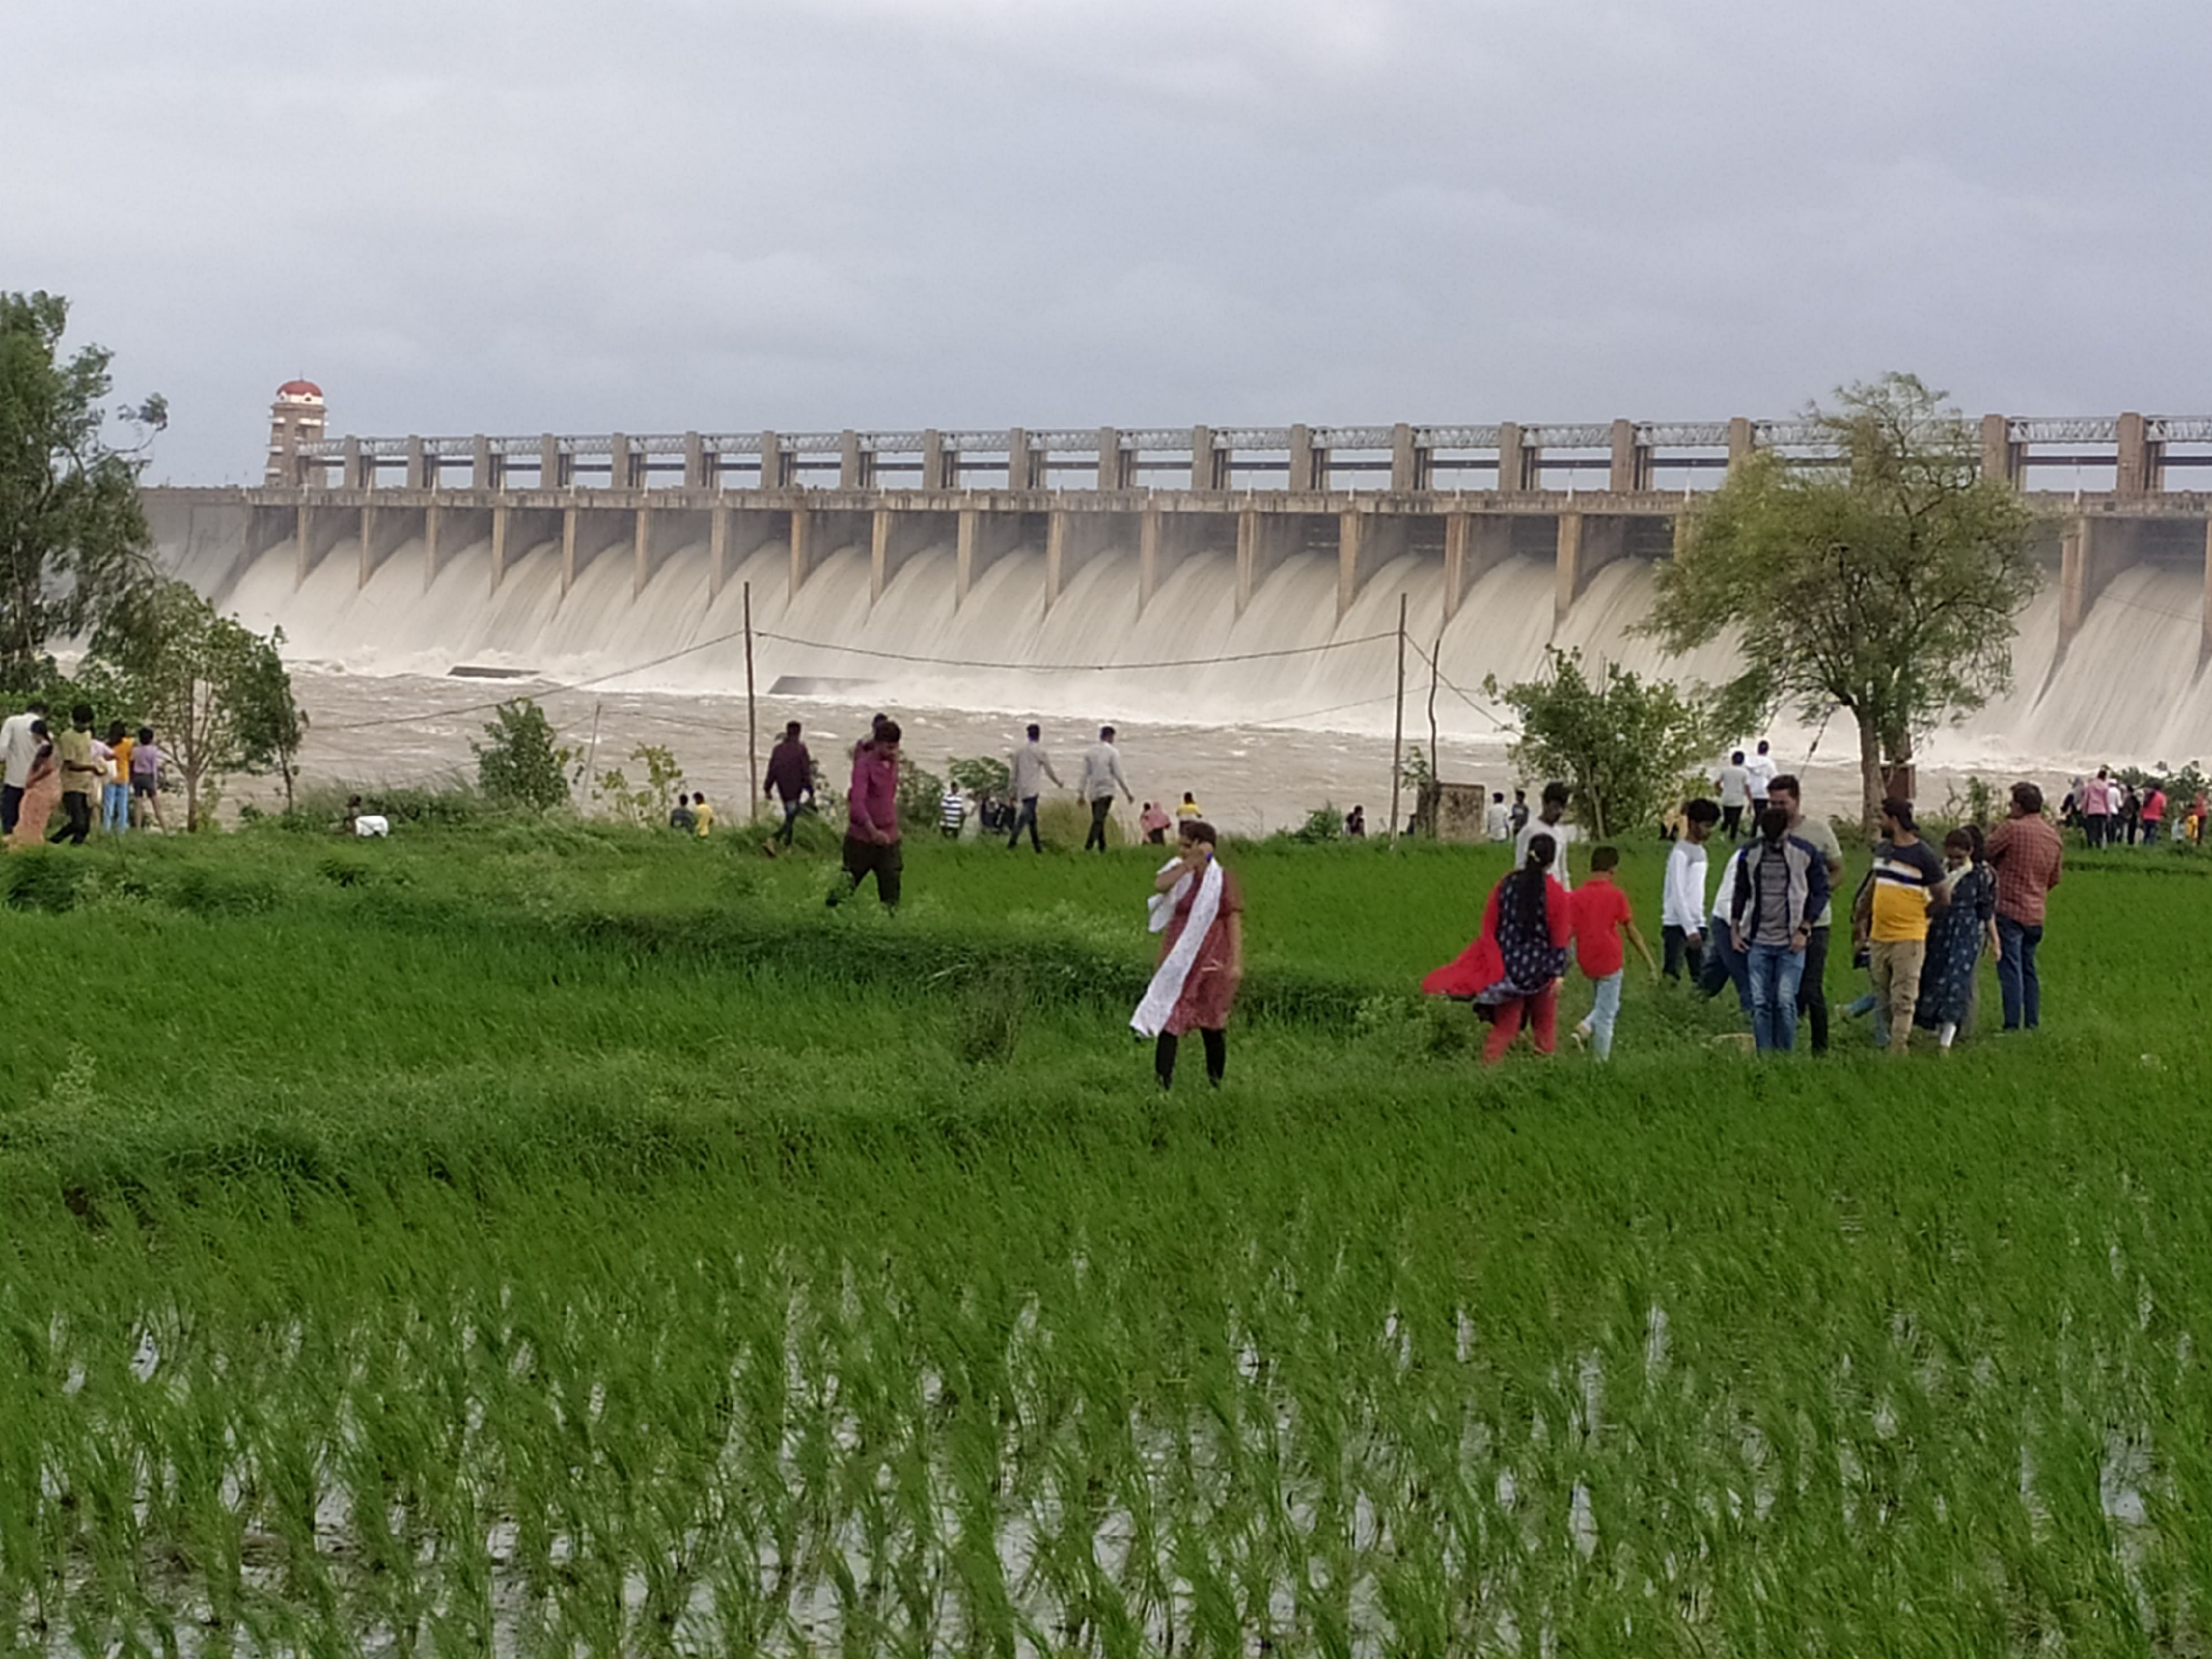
x: 19, y: 747
x: 1030, y: 766
x: 1734, y: 782
x: 1551, y: 820
x: 1682, y: 898
x: 1102, y: 775
x: 1759, y: 778
x: 1495, y: 823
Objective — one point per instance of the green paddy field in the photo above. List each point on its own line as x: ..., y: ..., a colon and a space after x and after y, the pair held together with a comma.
x: 541, y: 1239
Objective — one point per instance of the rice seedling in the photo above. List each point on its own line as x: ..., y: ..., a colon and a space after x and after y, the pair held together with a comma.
x: 534, y: 1239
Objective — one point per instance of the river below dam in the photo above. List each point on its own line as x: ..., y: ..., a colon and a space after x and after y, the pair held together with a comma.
x: 1253, y: 779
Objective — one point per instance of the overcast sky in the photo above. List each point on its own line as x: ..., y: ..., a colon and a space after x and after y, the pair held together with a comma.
x: 517, y: 217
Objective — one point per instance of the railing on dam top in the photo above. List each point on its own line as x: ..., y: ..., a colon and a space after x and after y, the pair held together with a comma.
x: 2128, y: 454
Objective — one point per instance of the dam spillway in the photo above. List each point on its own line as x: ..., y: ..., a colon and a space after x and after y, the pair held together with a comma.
x: 1025, y: 593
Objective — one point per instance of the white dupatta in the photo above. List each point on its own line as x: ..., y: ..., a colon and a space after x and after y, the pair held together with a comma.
x: 1166, y: 988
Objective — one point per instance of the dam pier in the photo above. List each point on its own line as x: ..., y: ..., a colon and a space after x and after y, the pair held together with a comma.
x: 1460, y: 499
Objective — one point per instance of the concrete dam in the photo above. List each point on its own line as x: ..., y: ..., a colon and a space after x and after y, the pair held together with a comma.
x: 1027, y: 571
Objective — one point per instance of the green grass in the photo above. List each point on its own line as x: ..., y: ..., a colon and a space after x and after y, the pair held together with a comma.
x: 569, y: 1240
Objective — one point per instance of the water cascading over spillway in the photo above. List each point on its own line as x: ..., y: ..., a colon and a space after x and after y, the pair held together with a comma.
x: 393, y: 622
x: 2128, y: 686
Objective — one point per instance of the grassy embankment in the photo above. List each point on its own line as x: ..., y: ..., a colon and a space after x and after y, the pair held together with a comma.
x: 554, y: 1235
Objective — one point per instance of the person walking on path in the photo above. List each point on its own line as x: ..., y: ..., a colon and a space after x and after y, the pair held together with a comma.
x: 1734, y: 782
x: 1551, y: 820
x: 146, y: 759
x: 20, y: 741
x: 872, y: 830
x: 702, y: 815
x: 1517, y: 820
x: 1102, y: 777
x: 1781, y: 884
x: 1154, y: 823
x: 1511, y: 971
x: 1602, y: 918
x: 2029, y: 859
x: 1955, y: 938
x: 1906, y: 886
x: 1198, y: 910
x: 1759, y: 773
x: 81, y: 777
x: 1785, y: 792
x: 1496, y: 821
x: 790, y: 780
x: 1682, y: 896
x: 115, y: 789
x: 1030, y: 766
x: 40, y: 793
x: 2154, y: 814
x: 1187, y: 807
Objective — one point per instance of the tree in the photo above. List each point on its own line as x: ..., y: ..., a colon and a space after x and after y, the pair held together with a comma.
x: 216, y: 692
x: 1887, y: 579
x: 268, y: 725
x: 1618, y: 742
x: 73, y: 540
x: 522, y: 765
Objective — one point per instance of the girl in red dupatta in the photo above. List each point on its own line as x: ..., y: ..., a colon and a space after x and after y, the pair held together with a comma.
x: 1511, y: 971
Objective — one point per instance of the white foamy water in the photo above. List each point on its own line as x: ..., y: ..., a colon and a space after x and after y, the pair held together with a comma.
x: 1261, y: 741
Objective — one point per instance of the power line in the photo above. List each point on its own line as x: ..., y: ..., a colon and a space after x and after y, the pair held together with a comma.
x: 562, y: 689
x: 1077, y: 667
x: 1446, y: 680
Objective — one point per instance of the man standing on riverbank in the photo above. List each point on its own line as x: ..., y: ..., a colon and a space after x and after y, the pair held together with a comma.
x: 1734, y: 782
x: 1102, y: 777
x: 790, y: 779
x: 872, y: 830
x: 18, y: 749
x: 81, y: 776
x: 1030, y: 767
x: 2030, y: 858
x: 1818, y: 834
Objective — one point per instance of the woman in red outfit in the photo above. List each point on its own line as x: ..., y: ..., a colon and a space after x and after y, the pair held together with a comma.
x: 1198, y: 904
x: 1512, y: 972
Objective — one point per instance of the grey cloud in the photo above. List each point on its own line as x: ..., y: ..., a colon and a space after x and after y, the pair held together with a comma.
x: 512, y: 216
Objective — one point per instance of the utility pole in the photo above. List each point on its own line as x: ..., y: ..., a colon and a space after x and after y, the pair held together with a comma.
x: 1398, y: 726
x: 752, y: 717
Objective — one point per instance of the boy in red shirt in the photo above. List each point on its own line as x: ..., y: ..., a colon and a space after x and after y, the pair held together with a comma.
x: 1602, y: 917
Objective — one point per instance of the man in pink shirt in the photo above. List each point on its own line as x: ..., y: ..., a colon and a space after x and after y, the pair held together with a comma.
x: 872, y: 829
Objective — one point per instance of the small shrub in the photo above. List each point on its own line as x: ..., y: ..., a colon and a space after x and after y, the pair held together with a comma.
x: 987, y: 1021
x: 522, y: 764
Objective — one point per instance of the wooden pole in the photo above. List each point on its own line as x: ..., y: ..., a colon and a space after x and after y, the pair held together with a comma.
x: 1398, y: 726
x: 1436, y: 670
x: 752, y: 716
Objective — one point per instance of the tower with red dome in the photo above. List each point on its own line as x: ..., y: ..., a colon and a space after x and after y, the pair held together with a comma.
x: 296, y: 418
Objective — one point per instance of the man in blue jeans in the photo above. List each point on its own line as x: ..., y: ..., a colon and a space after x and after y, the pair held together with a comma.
x: 1781, y: 885
x: 2030, y: 858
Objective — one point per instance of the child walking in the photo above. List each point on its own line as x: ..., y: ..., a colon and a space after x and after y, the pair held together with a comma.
x: 1602, y: 918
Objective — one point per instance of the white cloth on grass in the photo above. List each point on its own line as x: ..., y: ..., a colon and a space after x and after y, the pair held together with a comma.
x: 1166, y: 988
x: 367, y: 824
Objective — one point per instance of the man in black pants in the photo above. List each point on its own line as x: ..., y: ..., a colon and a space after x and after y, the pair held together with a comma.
x: 82, y: 776
x: 1812, y: 988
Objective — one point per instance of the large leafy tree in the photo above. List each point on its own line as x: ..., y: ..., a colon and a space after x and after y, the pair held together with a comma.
x: 215, y: 691
x: 1619, y: 742
x: 73, y: 541
x: 1885, y: 577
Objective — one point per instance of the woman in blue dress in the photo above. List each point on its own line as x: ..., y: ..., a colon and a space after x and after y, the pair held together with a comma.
x: 1955, y: 937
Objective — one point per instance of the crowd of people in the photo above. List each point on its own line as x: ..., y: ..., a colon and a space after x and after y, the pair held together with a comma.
x: 1921, y: 919
x: 2112, y: 812
x: 61, y: 781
